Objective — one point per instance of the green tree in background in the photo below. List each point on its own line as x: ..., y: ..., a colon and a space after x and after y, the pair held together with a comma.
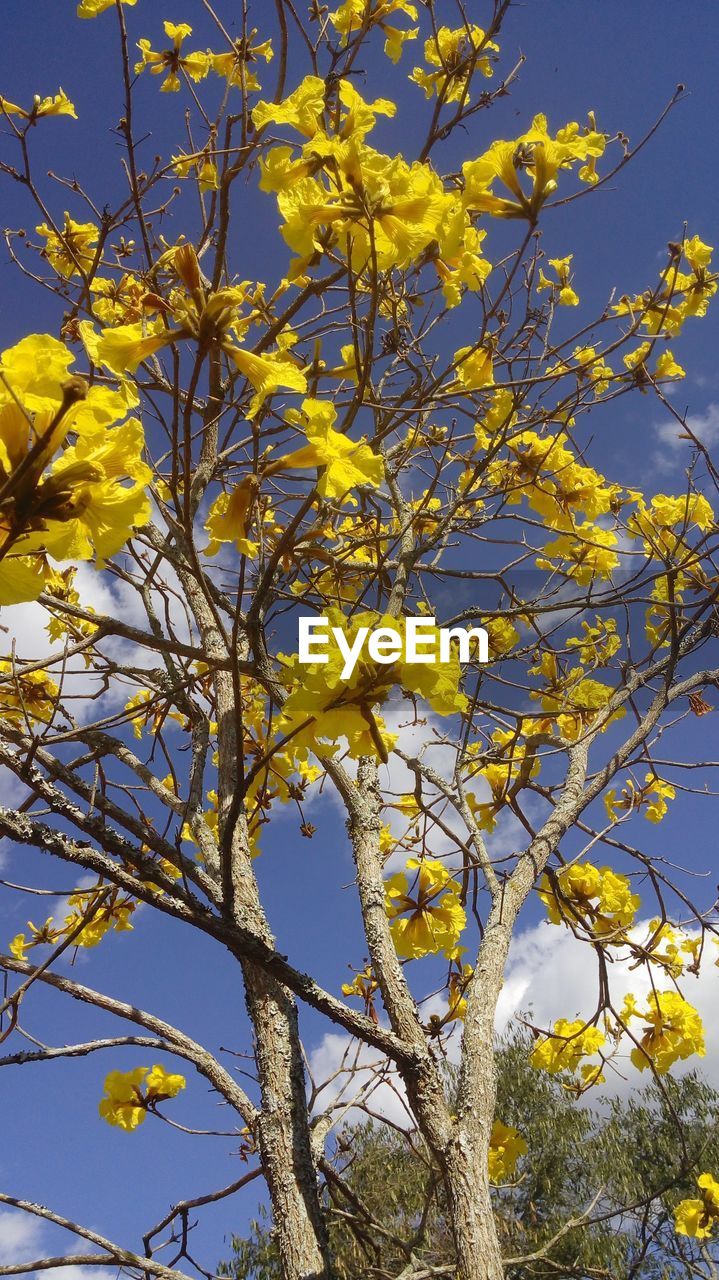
x: 583, y: 1165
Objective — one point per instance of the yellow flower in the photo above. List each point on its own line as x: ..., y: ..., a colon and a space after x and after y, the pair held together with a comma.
x: 680, y: 294
x: 672, y: 1032
x: 537, y: 154
x: 71, y: 250
x: 354, y: 16
x: 163, y: 1084
x: 587, y: 554
x: 698, y: 1218
x: 228, y: 518
x: 129, y: 1094
x: 364, y: 985
x: 594, y: 898
x: 561, y: 1053
x: 474, y: 367
x: 60, y: 105
x: 302, y: 109
x: 88, y: 505
x: 91, y: 8
x: 508, y: 761
x: 99, y: 915
x: 697, y: 254
x: 344, y: 463
x: 571, y: 698
x: 599, y: 643
x: 458, y: 981
x: 342, y: 185
x: 664, y: 527
x: 658, y: 793
x: 235, y: 65
x: 457, y: 54
x: 44, y: 935
x: 405, y: 203
x: 170, y: 62
x: 150, y: 711
x: 671, y: 949
x: 90, y: 496
x: 561, y: 287
x: 667, y: 367
x: 125, y: 346
x: 267, y: 373
x: 204, y: 167
x: 26, y: 696
x: 22, y: 578
x: 460, y: 261
x: 122, y: 300
x: 426, y: 913
x: 506, y: 1145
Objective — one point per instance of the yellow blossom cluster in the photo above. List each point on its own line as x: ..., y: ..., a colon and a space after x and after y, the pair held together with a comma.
x: 698, y: 1217
x: 59, y: 105
x: 570, y: 699
x: 129, y: 1095
x: 506, y: 1145
x: 342, y: 464
x: 680, y: 294
x: 598, y: 644
x: 595, y: 900
x: 218, y: 318
x: 651, y: 798
x: 504, y: 767
x: 72, y: 478
x: 60, y: 588
x: 536, y: 155
x: 671, y: 949
x: 562, y: 1050
x: 26, y: 697
x: 94, y: 913
x: 92, y: 8
x: 323, y: 706
x: 561, y: 288
x: 452, y: 55
x: 70, y: 249
x: 364, y: 985
x: 671, y: 1030
x: 356, y: 16
x: 424, y: 908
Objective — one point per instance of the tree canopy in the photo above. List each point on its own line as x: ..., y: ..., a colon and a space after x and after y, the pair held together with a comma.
x: 320, y: 351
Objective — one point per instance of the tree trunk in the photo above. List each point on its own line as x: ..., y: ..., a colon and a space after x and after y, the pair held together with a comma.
x: 284, y: 1132
x: 466, y: 1179
x: 460, y: 1143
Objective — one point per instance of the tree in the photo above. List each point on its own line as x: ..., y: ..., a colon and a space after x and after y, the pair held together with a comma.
x: 342, y: 440
x: 582, y: 1165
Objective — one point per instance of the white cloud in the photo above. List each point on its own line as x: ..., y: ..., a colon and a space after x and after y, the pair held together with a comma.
x: 79, y: 1273
x: 24, y: 1238
x: 673, y: 438
x: 349, y: 1076
x: 551, y: 975
x: 555, y: 975
x: 23, y: 630
x: 19, y: 1236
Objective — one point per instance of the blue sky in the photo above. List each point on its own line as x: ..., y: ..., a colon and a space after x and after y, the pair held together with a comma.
x: 623, y: 61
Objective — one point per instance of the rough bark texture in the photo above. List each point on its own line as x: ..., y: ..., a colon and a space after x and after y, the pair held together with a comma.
x: 283, y: 1126
x: 284, y: 1134
x: 460, y: 1143
x: 283, y: 1131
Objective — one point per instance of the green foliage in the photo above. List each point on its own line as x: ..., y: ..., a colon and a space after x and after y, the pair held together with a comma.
x: 624, y: 1164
